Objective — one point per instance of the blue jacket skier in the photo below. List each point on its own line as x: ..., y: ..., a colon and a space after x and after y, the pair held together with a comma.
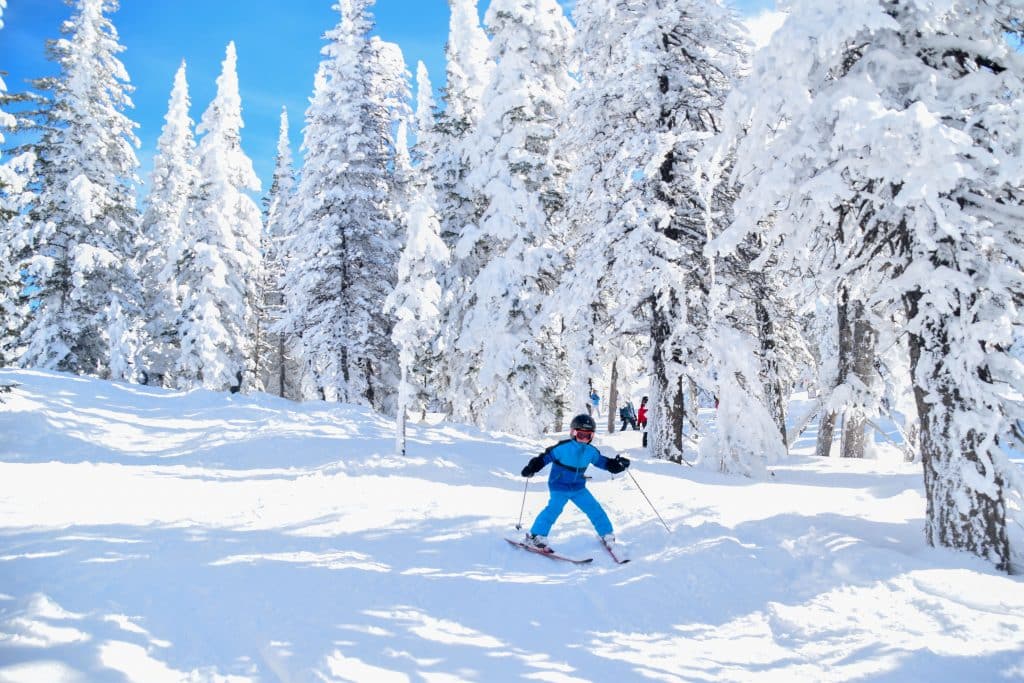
x: 569, y: 459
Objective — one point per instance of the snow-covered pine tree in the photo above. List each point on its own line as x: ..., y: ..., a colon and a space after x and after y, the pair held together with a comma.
x: 127, y: 338
x: 175, y: 178
x: 468, y: 71
x: 275, y: 360
x: 511, y: 258
x: 84, y: 219
x: 390, y: 94
x: 6, y: 120
x: 756, y: 301
x: 342, y: 264
x: 929, y: 222
x: 415, y: 301
x: 599, y: 304
x: 220, y: 263
x: 425, y: 119
x: 654, y: 77
x: 15, y: 197
x: 747, y: 436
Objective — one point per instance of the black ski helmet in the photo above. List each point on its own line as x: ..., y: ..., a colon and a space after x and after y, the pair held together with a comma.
x: 584, y: 422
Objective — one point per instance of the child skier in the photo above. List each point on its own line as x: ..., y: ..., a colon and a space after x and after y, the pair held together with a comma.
x: 569, y: 459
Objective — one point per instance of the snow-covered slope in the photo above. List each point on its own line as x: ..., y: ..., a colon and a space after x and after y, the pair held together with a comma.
x: 151, y: 536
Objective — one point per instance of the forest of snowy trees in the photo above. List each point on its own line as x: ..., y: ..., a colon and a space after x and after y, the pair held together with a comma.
x: 630, y: 197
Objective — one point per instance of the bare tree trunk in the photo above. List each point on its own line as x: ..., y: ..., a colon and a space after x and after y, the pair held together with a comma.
x: 371, y: 394
x: 913, y: 439
x: 344, y: 397
x: 860, y: 363
x: 281, y: 362
x: 560, y: 402
x: 666, y: 409
x: 613, y: 396
x: 258, y: 347
x: 851, y: 439
x: 403, y: 399
x: 772, y: 384
x: 317, y: 381
x: 826, y: 430
x: 693, y: 400
x: 679, y: 419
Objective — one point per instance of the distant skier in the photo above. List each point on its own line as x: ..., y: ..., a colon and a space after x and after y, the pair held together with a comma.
x: 595, y: 404
x: 569, y: 460
x: 641, y: 419
x: 628, y: 415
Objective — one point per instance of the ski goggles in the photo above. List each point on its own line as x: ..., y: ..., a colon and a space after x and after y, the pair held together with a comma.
x: 582, y: 435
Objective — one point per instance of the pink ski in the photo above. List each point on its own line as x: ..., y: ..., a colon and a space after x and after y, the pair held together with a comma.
x: 611, y: 552
x: 548, y: 553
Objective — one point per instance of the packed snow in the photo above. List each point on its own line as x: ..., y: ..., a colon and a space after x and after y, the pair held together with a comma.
x: 148, y: 535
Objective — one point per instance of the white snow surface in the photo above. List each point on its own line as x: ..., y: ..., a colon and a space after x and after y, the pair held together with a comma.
x: 148, y: 535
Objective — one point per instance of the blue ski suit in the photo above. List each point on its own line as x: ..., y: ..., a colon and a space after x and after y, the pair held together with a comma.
x: 569, y: 460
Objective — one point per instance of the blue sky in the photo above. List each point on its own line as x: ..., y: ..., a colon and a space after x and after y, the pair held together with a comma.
x: 278, y: 45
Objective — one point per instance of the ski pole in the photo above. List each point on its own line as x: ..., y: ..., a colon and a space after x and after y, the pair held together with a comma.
x: 648, y: 500
x: 519, y: 524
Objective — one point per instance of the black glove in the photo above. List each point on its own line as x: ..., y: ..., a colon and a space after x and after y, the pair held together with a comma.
x: 534, y: 466
x: 619, y: 464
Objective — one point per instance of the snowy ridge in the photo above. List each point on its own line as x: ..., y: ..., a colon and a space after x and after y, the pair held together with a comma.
x: 149, y: 535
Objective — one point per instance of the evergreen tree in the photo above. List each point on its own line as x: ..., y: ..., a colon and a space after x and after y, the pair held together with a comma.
x: 274, y: 356
x: 928, y: 222
x: 84, y: 220
x: 602, y: 326
x: 468, y: 71
x: 343, y: 257
x: 654, y: 77
x: 511, y: 258
x: 219, y: 265
x: 15, y: 196
x: 175, y: 178
x: 427, y: 143
x: 416, y: 298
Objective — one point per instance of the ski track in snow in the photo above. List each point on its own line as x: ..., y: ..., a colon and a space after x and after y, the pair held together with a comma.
x: 150, y: 536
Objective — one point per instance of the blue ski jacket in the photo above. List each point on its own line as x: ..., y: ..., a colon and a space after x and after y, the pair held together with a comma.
x: 569, y: 460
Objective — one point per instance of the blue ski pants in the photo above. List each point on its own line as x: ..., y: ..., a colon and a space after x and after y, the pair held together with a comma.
x: 584, y: 500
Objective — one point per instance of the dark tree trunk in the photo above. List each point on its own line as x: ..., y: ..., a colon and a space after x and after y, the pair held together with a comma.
x: 345, y: 398
x: 858, y: 359
x: 666, y: 408
x: 371, y: 394
x: 280, y: 368
x: 770, y: 367
x: 679, y: 417
x: 560, y: 402
x: 826, y: 430
x: 613, y: 397
x: 958, y: 514
x: 693, y: 400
